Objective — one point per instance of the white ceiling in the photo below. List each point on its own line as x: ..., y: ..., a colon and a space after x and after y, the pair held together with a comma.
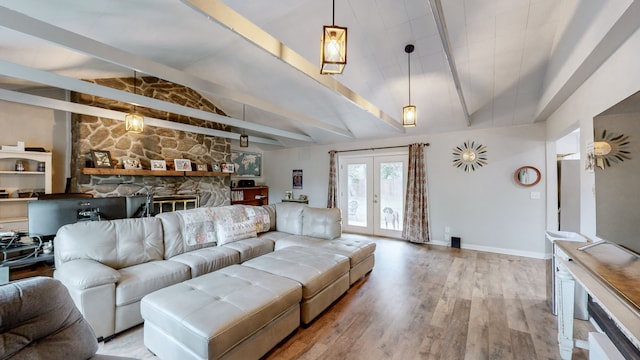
x: 508, y: 54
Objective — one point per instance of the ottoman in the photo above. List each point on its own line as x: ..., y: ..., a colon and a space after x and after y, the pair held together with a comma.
x: 233, y: 313
x: 324, y: 276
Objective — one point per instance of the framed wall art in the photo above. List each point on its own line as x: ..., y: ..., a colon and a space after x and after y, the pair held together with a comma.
x: 101, y: 159
x: 247, y: 164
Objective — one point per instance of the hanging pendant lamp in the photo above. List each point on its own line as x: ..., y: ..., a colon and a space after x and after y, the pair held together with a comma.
x: 244, y: 138
x: 134, y: 122
x: 409, y: 112
x: 333, y: 47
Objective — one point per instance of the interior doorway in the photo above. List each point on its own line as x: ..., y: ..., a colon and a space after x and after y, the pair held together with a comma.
x: 568, y: 162
x: 372, y: 192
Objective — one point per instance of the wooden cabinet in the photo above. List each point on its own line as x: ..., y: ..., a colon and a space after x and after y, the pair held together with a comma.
x: 255, y: 195
x: 21, y: 186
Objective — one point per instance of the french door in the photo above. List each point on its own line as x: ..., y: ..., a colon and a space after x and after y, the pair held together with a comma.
x: 372, y: 191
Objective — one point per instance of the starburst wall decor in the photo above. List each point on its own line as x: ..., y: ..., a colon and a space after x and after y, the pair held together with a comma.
x: 470, y: 156
x: 610, y: 148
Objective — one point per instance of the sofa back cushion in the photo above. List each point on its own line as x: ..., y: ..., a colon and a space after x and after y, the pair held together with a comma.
x: 172, y: 229
x: 322, y: 223
x: 115, y: 243
x: 289, y: 217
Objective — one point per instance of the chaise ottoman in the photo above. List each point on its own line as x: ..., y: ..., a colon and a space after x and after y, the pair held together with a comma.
x: 233, y: 313
x: 324, y: 276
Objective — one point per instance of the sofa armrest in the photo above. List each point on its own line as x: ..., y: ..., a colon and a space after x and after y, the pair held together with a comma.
x: 85, y: 273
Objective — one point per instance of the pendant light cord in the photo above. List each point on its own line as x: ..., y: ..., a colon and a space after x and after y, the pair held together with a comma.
x: 409, y: 62
x: 333, y: 20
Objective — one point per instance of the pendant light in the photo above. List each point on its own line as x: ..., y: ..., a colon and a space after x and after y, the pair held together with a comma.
x: 333, y: 47
x: 409, y: 114
x: 244, y: 138
x: 134, y: 122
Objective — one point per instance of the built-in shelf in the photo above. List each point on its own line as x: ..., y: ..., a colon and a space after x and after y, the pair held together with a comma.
x: 22, y: 172
x: 13, y: 219
x: 18, y: 199
x: 140, y: 172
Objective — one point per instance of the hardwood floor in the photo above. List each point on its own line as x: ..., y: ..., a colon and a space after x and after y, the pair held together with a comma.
x: 425, y: 302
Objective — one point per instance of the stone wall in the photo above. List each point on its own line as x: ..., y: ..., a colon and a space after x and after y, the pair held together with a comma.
x: 94, y: 133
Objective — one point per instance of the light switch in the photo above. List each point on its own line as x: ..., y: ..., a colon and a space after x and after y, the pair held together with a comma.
x: 535, y: 195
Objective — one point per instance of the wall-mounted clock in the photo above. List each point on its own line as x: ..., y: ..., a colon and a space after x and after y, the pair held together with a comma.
x: 469, y: 156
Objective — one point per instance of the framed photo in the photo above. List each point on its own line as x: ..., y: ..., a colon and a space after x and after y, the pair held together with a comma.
x: 131, y: 163
x: 158, y: 165
x: 101, y: 159
x: 182, y: 164
x: 297, y: 179
x: 215, y: 166
x: 248, y: 164
x: 202, y: 167
x: 228, y: 168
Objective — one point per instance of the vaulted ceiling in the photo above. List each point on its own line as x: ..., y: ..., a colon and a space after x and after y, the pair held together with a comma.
x: 477, y: 63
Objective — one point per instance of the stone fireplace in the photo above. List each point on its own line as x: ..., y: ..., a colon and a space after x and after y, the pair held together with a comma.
x: 94, y: 133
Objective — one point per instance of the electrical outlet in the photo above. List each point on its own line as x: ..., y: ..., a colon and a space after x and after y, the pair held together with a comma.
x: 535, y: 195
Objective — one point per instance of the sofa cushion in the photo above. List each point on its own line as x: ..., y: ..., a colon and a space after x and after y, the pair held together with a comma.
x: 289, y: 217
x: 251, y: 248
x: 206, y: 260
x: 139, y: 280
x: 321, y: 223
x: 357, y: 248
x: 115, y: 243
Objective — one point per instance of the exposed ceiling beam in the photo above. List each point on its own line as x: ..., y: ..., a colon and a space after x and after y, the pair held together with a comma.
x: 224, y: 15
x: 438, y: 15
x: 63, y: 82
x: 19, y: 22
x: 28, y: 99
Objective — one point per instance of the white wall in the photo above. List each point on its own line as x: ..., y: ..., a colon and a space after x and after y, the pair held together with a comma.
x: 486, y: 208
x: 615, y: 80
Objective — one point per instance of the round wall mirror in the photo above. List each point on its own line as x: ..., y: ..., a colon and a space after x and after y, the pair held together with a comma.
x: 527, y: 176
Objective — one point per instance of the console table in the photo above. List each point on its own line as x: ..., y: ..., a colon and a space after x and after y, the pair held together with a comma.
x: 610, y: 275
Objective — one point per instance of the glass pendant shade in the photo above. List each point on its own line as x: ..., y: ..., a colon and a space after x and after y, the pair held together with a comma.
x: 333, y: 50
x: 134, y: 122
x: 409, y: 115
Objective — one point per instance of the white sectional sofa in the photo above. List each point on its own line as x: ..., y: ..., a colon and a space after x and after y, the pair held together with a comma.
x: 109, y: 266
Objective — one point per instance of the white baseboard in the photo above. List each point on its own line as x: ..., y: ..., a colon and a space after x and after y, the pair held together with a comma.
x: 528, y: 254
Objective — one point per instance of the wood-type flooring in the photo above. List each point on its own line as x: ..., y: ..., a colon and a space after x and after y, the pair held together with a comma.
x: 425, y: 302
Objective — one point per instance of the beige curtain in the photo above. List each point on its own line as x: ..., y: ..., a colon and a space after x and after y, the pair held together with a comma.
x: 332, y: 198
x: 416, y: 212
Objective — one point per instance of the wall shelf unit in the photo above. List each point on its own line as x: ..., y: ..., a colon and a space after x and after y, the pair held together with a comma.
x: 13, y: 209
x: 255, y: 195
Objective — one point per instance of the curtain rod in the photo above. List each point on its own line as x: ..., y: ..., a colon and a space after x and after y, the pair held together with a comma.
x: 375, y: 148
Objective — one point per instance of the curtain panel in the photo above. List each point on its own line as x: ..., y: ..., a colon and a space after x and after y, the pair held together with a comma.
x: 332, y: 198
x: 416, y: 212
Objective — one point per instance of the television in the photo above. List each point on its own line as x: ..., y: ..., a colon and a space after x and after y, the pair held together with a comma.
x: 48, y: 215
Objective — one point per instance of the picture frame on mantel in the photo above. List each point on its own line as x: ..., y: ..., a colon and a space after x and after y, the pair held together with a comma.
x: 101, y: 159
x: 182, y: 164
x: 158, y: 165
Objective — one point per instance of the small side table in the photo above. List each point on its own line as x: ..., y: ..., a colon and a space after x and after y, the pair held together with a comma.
x: 296, y: 201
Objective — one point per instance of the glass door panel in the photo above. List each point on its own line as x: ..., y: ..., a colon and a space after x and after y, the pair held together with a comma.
x: 389, y: 194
